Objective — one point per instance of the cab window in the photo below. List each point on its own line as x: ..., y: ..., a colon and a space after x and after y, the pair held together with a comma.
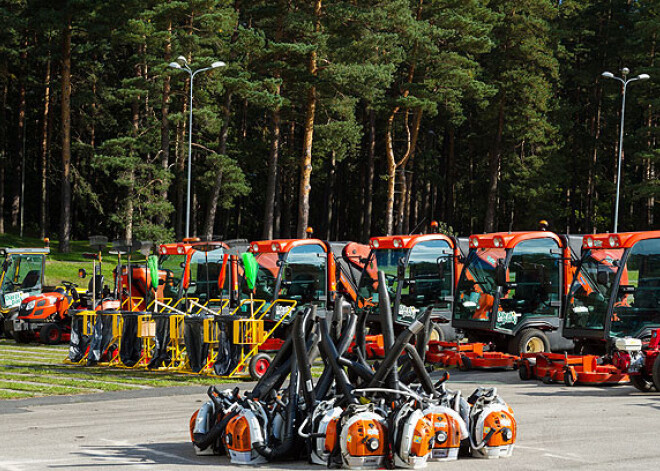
x: 304, y: 275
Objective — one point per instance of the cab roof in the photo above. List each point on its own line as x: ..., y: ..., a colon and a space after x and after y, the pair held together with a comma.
x: 16, y: 250
x: 617, y: 240
x: 283, y: 245
x: 509, y: 240
x: 407, y: 241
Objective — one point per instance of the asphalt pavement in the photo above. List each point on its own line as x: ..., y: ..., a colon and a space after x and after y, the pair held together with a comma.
x: 559, y: 428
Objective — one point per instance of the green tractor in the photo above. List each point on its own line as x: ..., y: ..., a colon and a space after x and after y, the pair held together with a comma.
x: 21, y: 275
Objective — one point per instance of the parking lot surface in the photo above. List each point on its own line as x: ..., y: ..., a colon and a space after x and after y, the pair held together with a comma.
x: 559, y: 428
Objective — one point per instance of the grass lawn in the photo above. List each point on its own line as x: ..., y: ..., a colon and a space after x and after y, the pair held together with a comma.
x: 29, y: 370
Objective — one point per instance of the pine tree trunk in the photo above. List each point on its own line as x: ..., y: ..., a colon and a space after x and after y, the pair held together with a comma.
x: 369, y: 180
x: 44, y: 150
x: 271, y: 181
x: 494, y: 172
x: 217, y: 185
x: 450, y: 183
x: 165, y: 121
x: 18, y: 203
x: 65, y: 209
x: 3, y: 154
x: 308, y: 136
x: 330, y: 195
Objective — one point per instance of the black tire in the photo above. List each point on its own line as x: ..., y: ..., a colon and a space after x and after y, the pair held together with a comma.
x: 465, y: 364
x: 530, y: 341
x: 22, y: 337
x: 436, y: 333
x: 50, y: 334
x: 568, y: 379
x: 524, y: 371
x: 656, y: 372
x: 642, y: 383
x: 259, y: 364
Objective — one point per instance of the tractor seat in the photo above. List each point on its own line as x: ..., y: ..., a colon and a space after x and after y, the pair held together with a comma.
x: 31, y: 279
x: 99, y: 285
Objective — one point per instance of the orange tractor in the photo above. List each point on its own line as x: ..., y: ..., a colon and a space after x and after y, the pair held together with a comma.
x: 421, y: 273
x: 612, y: 313
x: 513, y: 290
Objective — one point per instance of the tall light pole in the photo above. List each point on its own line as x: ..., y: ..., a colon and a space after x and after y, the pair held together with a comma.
x: 624, y: 81
x: 182, y: 64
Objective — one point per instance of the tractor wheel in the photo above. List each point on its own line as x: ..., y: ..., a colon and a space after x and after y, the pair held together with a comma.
x: 50, y: 334
x: 568, y: 379
x: 656, y: 372
x: 21, y: 337
x: 642, y: 383
x: 436, y: 333
x: 465, y: 364
x: 525, y: 371
x: 259, y: 365
x: 530, y: 341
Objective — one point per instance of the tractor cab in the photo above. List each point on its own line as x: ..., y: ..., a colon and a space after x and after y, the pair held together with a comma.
x: 421, y: 272
x: 308, y: 271
x: 21, y: 275
x: 616, y: 292
x: 513, y: 287
x: 201, y: 270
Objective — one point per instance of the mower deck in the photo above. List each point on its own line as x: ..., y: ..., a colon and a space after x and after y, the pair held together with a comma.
x: 468, y: 356
x: 571, y: 369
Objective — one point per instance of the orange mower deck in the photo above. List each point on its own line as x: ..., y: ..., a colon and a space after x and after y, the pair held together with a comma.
x: 468, y: 356
x: 571, y: 369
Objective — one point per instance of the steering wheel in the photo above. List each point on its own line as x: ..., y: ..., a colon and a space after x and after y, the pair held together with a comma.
x: 69, y: 284
x: 169, y: 276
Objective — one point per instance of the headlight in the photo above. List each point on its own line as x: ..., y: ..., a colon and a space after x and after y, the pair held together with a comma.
x: 30, y: 305
x: 475, y: 243
x: 376, y: 244
x: 590, y: 242
x: 255, y: 248
x: 397, y: 243
x: 274, y: 247
x: 613, y: 241
x: 179, y: 250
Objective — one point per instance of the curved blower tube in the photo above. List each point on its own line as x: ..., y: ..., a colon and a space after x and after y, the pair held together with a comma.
x: 387, y: 326
x: 420, y: 370
x: 360, y: 337
x: 421, y: 339
x: 276, y: 373
x: 390, y: 360
x: 212, y: 435
x: 325, y: 381
x: 365, y: 374
x: 330, y: 353
x: 302, y: 358
x: 288, y: 442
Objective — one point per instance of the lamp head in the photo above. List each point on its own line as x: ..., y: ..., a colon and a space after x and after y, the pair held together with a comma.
x: 625, y: 71
x: 607, y: 74
x: 175, y: 65
x: 217, y: 64
x: 643, y: 76
x: 182, y: 59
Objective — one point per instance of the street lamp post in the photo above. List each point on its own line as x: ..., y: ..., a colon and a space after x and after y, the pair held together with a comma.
x: 624, y: 81
x: 182, y: 64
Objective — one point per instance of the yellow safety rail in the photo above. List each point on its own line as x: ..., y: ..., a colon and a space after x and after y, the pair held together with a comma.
x: 117, y: 330
x: 146, y: 331
x: 260, y: 336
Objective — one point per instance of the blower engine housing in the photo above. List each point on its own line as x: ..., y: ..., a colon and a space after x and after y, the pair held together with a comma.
x: 449, y: 429
x: 363, y: 438
x: 492, y: 425
x: 241, y: 433
x: 414, y: 437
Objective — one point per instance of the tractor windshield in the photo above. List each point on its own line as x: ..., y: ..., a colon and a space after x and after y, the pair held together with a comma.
x: 205, y: 269
x: 173, y: 266
x: 475, y: 294
x: 637, y: 298
x: 269, y: 268
x: 21, y: 275
x: 386, y: 260
x: 591, y: 290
